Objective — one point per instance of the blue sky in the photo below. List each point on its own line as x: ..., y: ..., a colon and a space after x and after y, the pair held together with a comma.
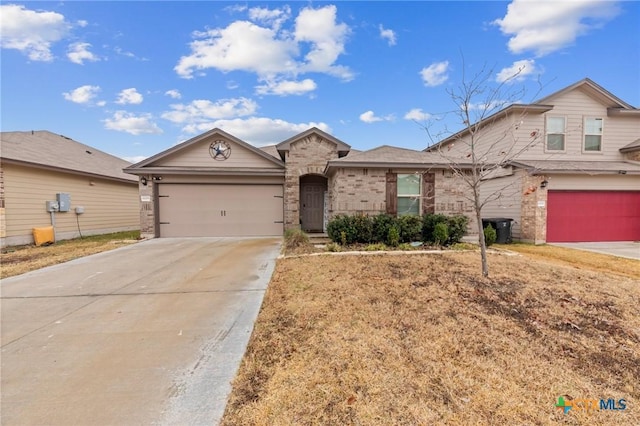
x: 135, y: 78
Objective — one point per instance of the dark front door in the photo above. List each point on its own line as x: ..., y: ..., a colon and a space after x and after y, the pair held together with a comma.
x: 312, y: 204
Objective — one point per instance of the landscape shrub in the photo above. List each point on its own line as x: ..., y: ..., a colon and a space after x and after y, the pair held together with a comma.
x: 381, y: 225
x: 441, y: 233
x: 410, y: 228
x: 341, y: 229
x: 457, y: 228
x: 429, y: 222
x: 364, y: 228
x: 490, y: 235
x: 294, y: 238
x: 393, y: 237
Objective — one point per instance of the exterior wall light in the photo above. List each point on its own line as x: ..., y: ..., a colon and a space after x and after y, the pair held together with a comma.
x: 143, y: 181
x: 544, y: 183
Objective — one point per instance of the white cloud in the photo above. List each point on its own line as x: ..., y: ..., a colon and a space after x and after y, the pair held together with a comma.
x: 31, y: 32
x: 83, y: 94
x: 240, y: 46
x: 417, y: 114
x: 287, y: 87
x: 129, y: 96
x: 389, y: 35
x: 518, y: 71
x: 544, y: 27
x: 173, y: 93
x: 204, y: 111
x: 370, y: 117
x: 258, y: 130
x: 79, y: 52
x: 274, y: 18
x: 271, y: 52
x: 327, y: 38
x: 124, y: 121
x: 435, y: 74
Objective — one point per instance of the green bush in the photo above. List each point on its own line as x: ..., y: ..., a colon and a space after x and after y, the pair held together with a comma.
x: 341, y: 229
x: 490, y: 235
x: 457, y: 228
x: 429, y: 222
x: 381, y: 225
x: 410, y: 228
x: 393, y: 237
x: 441, y: 233
x: 375, y: 247
x: 364, y: 228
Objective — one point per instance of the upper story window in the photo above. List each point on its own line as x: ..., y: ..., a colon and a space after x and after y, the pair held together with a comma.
x: 555, y: 133
x: 593, y: 134
x: 408, y: 194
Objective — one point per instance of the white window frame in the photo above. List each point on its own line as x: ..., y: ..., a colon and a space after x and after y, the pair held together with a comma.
x: 547, y: 133
x: 585, y: 134
x: 417, y: 196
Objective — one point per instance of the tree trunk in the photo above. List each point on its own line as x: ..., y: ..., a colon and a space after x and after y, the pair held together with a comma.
x: 483, y: 245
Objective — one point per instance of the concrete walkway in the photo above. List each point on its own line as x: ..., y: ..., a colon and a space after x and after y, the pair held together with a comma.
x: 151, y: 333
x: 628, y: 249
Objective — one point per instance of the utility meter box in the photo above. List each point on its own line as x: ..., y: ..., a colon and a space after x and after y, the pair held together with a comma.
x: 64, y: 201
x: 52, y: 206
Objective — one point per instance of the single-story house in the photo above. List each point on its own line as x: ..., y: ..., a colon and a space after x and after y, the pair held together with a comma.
x: 575, y: 174
x: 37, y: 167
x: 218, y: 185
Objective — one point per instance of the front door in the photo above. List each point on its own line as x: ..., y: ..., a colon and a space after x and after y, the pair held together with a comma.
x: 312, y: 204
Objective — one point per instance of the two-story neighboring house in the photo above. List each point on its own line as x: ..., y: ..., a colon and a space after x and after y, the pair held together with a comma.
x: 571, y: 166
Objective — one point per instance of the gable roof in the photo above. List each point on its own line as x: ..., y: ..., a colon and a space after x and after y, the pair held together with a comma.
x: 633, y: 146
x: 271, y: 150
x: 142, y: 166
x: 593, y: 89
x: 285, y: 145
x: 47, y: 150
x: 615, y: 106
x: 387, y: 156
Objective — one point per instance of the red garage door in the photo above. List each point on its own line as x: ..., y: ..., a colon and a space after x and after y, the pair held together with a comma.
x: 574, y: 216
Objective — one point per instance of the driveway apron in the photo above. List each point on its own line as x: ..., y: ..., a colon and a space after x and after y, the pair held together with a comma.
x: 151, y: 333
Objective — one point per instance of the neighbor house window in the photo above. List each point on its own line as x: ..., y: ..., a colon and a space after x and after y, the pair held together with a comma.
x: 593, y: 134
x: 408, y: 194
x: 555, y: 133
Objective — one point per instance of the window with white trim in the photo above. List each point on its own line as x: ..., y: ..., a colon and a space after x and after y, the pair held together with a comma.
x: 593, y: 134
x: 408, y: 194
x: 555, y: 133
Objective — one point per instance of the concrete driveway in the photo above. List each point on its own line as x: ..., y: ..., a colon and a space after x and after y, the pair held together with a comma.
x: 151, y: 333
x: 628, y: 249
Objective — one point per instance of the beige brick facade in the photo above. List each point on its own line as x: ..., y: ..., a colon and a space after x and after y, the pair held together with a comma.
x: 533, y: 227
x: 357, y: 190
x: 454, y: 197
x: 305, y: 156
x: 633, y: 156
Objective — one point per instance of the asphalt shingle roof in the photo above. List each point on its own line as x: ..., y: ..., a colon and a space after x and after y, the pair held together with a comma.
x: 49, y: 150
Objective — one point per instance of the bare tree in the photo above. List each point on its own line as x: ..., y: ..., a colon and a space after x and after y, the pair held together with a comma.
x: 490, y: 140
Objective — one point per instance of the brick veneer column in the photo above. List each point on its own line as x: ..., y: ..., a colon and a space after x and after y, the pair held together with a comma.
x: 533, y: 227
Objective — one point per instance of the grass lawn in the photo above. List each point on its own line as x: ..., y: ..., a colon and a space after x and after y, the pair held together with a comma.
x: 17, y: 260
x: 423, y: 339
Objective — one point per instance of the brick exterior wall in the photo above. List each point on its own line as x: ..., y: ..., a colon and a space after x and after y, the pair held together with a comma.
x: 633, y: 156
x: 533, y: 227
x: 453, y: 197
x: 357, y: 190
x: 147, y: 209
x: 308, y: 155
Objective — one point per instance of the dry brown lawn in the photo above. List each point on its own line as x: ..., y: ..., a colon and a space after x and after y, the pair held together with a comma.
x: 422, y: 339
x: 20, y: 259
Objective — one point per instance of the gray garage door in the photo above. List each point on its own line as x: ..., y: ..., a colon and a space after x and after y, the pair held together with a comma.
x: 192, y: 210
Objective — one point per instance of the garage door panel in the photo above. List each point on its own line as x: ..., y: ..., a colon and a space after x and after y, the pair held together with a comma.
x: 575, y: 216
x: 190, y: 210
